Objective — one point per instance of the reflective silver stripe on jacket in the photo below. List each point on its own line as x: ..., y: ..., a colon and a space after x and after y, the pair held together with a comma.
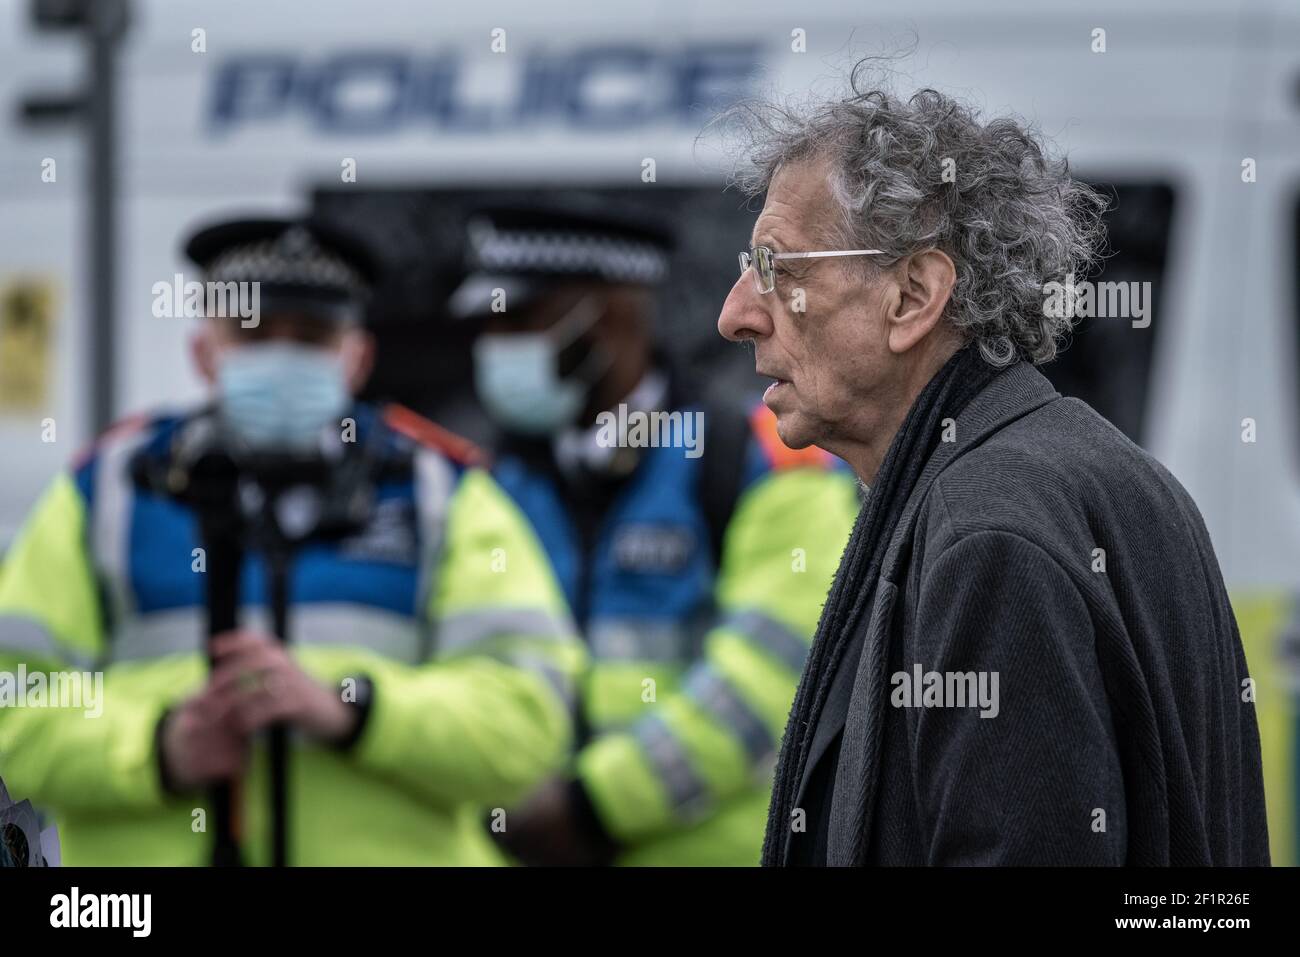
x: 435, y: 480
x: 342, y: 625
x: 638, y: 639
x: 687, y: 792
x: 561, y: 683
x: 23, y: 635
x: 458, y: 634
x: 769, y: 634
x: 709, y: 689
x: 110, y: 521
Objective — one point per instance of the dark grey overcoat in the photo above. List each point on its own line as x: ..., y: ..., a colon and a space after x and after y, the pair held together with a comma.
x: 1046, y: 549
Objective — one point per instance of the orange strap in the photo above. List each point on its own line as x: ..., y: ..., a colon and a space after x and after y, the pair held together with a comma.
x: 122, y: 427
x: 419, y: 429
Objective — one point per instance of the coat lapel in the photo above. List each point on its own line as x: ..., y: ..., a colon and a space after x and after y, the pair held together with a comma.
x: 1014, y: 393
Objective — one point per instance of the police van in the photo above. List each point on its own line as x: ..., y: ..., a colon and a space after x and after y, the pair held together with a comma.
x: 1187, y: 112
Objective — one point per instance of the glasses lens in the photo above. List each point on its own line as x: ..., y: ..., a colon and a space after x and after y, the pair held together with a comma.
x: 744, y: 262
x: 763, y: 272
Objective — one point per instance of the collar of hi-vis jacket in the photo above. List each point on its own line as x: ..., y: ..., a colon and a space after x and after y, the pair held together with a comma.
x: 583, y: 447
x: 382, y: 455
x: 1013, y: 394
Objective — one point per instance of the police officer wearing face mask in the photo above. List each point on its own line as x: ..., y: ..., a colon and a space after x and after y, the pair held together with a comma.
x: 696, y: 568
x: 421, y: 686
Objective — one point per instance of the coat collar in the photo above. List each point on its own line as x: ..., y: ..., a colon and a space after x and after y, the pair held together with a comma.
x: 1015, y: 393
x: 1009, y: 396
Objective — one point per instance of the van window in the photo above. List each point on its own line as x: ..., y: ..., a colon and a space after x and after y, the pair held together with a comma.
x: 1107, y: 361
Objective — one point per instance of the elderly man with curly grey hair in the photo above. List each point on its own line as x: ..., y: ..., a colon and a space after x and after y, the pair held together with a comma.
x: 1028, y: 655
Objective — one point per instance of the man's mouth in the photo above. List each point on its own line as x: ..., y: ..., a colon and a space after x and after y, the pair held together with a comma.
x: 772, y: 390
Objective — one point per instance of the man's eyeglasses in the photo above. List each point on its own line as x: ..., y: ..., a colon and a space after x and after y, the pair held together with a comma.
x: 763, y: 260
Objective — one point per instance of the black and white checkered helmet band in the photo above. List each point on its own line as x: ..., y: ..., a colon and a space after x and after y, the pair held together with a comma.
x: 294, y: 259
x: 614, y: 259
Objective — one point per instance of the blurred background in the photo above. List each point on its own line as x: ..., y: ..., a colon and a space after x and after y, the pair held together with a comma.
x: 124, y: 123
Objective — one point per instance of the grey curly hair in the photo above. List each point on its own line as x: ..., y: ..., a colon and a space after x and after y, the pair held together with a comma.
x: 1009, y: 214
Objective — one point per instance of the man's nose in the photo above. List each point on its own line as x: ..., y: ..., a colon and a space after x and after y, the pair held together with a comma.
x: 743, y: 315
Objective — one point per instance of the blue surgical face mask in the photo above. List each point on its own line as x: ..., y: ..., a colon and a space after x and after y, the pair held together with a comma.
x: 518, y: 379
x: 279, y: 396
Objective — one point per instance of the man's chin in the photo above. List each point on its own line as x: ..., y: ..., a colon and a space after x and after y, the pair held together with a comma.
x: 791, y: 432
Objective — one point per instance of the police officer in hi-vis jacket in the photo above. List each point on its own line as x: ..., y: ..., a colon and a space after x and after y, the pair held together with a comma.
x: 428, y: 669
x: 694, y: 548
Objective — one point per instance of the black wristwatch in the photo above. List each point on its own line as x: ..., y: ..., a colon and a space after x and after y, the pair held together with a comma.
x: 361, y: 702
x: 164, y: 776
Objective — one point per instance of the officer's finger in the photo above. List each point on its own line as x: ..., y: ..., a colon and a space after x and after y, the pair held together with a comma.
x: 234, y: 642
x: 219, y: 705
x: 256, y: 656
x: 223, y: 700
x: 235, y: 665
x: 233, y: 683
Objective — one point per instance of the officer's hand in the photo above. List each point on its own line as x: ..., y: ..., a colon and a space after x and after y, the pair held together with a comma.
x: 549, y: 831
x: 199, y: 746
x: 264, y: 685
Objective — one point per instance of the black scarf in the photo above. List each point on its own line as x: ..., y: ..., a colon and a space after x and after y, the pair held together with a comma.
x: 854, y: 588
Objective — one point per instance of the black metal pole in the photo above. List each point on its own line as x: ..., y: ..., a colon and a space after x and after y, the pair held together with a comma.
x: 210, y: 487
x: 222, y: 578
x: 278, y: 563
x: 207, y: 483
x: 105, y: 28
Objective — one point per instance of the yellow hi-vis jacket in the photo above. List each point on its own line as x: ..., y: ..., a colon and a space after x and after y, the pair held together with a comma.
x: 444, y: 601
x: 694, y: 662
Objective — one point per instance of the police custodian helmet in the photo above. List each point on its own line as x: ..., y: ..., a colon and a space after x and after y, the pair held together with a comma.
x: 301, y: 265
x: 525, y: 250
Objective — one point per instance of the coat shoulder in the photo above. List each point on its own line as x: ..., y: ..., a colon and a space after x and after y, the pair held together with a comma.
x: 1063, y: 477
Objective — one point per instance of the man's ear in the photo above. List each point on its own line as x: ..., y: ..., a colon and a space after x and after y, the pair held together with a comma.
x: 203, y: 353
x: 924, y: 287
x: 358, y: 358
